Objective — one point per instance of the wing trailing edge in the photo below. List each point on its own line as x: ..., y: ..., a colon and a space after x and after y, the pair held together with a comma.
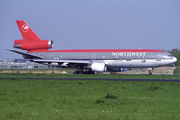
x: 62, y: 61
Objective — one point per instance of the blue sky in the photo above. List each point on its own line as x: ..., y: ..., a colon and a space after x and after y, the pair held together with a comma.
x: 93, y: 24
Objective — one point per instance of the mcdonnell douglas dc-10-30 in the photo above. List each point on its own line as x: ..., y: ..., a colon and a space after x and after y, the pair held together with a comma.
x: 93, y: 60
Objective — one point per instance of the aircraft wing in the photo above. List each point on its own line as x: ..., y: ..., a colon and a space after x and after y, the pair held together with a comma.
x: 62, y: 61
x: 26, y: 54
x: 40, y: 59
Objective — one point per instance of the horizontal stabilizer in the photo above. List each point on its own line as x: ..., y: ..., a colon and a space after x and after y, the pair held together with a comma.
x: 27, y: 55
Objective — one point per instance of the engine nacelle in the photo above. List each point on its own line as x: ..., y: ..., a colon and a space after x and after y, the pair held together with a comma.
x: 98, y: 67
x: 20, y: 41
x: 113, y: 69
x: 33, y: 45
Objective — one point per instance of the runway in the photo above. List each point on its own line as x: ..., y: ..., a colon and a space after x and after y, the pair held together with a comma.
x: 106, y: 79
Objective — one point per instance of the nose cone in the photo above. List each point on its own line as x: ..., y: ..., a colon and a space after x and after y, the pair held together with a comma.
x: 174, y: 59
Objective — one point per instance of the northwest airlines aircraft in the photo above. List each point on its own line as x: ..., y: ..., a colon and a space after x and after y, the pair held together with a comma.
x: 95, y: 60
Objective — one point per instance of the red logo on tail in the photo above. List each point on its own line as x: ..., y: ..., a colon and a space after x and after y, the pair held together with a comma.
x: 25, y: 28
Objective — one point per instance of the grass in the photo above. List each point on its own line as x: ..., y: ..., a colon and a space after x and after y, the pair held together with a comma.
x: 123, y: 76
x: 177, y: 71
x: 89, y: 99
x: 14, y: 73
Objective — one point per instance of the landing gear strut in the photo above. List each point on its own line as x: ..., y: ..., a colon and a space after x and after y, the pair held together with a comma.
x: 150, y: 71
x: 79, y: 70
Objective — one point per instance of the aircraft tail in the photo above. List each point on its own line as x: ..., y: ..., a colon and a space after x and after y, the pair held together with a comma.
x: 27, y: 32
x: 31, y: 41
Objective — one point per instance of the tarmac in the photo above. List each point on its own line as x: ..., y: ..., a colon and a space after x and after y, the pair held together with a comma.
x: 155, y: 71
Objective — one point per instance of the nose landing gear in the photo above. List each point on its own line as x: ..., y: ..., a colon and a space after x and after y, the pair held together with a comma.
x: 150, y: 71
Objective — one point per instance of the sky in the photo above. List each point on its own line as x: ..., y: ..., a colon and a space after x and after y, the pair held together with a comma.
x: 93, y: 24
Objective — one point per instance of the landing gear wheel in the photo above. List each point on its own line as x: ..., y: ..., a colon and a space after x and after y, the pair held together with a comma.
x: 81, y: 72
x: 150, y: 73
x: 89, y: 72
x: 76, y: 72
x: 92, y: 72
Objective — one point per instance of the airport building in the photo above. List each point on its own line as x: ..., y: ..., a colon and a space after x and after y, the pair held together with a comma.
x: 20, y: 64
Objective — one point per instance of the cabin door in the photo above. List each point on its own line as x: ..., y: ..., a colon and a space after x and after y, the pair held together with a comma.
x: 158, y: 60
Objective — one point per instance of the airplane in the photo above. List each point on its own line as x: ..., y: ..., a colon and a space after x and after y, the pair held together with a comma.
x: 92, y: 60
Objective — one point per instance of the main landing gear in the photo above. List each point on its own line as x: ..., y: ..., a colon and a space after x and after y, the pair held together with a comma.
x: 86, y: 72
x: 80, y: 71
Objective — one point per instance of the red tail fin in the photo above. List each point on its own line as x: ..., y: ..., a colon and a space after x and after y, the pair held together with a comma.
x: 27, y: 32
x: 31, y: 41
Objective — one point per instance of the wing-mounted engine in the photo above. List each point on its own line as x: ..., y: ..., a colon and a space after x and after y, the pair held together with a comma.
x: 98, y: 67
x: 28, y: 45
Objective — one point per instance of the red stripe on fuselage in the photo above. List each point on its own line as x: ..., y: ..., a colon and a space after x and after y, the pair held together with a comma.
x: 100, y: 50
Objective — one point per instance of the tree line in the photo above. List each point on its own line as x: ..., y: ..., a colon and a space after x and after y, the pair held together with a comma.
x: 177, y: 55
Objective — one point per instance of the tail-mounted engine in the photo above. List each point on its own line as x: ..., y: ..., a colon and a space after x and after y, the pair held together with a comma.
x: 28, y: 45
